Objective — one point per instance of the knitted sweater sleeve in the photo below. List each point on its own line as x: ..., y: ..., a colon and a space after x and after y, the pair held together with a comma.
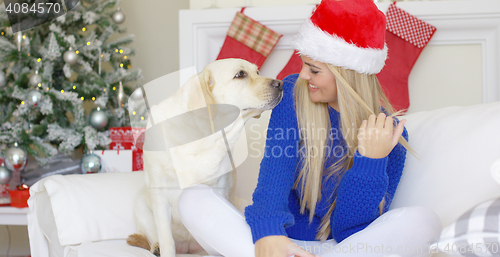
x: 269, y: 213
x: 362, y: 188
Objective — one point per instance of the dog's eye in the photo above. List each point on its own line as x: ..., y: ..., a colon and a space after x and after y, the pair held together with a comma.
x: 241, y: 74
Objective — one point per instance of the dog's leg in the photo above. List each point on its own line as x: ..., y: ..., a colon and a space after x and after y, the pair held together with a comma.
x: 162, y: 212
x: 145, y: 220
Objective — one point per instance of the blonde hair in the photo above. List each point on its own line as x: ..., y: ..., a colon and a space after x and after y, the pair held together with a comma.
x: 359, y: 96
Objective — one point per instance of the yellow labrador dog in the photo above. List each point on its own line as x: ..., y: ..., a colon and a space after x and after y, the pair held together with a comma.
x: 187, y: 143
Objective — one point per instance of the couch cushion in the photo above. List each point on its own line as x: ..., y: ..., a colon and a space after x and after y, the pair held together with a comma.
x: 476, y: 232
x: 82, y: 214
x: 456, y: 147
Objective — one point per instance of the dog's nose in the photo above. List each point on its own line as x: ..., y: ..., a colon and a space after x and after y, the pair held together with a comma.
x: 278, y: 84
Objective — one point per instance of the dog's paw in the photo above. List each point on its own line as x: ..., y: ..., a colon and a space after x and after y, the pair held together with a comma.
x: 155, y: 249
x: 139, y: 241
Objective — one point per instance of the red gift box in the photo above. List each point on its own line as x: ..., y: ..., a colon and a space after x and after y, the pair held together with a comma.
x: 128, y: 138
x: 19, y: 198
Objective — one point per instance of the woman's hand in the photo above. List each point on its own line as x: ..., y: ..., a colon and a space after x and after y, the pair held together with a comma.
x: 377, y: 136
x: 279, y: 246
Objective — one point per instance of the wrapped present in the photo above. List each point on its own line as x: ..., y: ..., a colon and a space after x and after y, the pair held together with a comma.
x: 19, y: 197
x: 128, y: 138
x: 115, y: 160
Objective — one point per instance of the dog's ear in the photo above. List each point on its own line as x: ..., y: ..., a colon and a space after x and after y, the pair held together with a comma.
x: 207, y: 85
x: 200, y: 88
x: 200, y: 95
x: 207, y: 81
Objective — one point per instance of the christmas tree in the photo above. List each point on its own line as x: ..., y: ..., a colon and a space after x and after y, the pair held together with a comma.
x: 48, y: 73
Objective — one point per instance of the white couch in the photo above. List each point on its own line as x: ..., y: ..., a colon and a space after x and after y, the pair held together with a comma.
x: 91, y: 215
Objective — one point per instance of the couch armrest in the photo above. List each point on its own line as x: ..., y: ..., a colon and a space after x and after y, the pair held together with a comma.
x: 72, y: 209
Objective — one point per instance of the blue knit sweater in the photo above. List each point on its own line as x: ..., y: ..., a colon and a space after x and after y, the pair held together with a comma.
x: 276, y: 206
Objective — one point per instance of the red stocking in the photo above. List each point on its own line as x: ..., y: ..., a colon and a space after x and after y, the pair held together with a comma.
x: 293, y: 66
x: 406, y: 37
x: 248, y: 39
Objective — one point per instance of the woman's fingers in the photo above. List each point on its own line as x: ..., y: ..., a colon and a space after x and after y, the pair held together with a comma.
x: 398, y: 132
x: 389, y: 123
x: 371, y: 121
x: 380, y: 120
x: 364, y: 124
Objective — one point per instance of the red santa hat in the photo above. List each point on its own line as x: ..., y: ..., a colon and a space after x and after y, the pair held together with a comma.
x: 345, y: 33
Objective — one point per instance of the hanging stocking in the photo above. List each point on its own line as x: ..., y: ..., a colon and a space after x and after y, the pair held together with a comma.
x: 249, y: 40
x: 293, y: 66
x: 406, y: 37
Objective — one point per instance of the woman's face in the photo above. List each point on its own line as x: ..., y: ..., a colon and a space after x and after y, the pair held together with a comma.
x: 322, y: 86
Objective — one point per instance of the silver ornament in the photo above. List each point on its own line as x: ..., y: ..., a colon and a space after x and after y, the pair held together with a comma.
x: 90, y: 163
x: 70, y: 4
x: 3, y: 78
x: 5, y: 175
x: 118, y: 17
x: 137, y: 94
x: 121, y: 95
x: 15, y: 158
x: 70, y: 57
x: 19, y: 40
x: 98, y: 119
x: 35, y: 79
x: 34, y: 97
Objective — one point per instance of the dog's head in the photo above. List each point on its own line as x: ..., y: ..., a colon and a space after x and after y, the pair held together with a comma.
x: 239, y: 83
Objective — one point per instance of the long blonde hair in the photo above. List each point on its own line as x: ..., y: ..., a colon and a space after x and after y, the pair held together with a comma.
x: 359, y: 96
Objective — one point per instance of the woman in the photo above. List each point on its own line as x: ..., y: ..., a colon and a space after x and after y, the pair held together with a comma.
x: 334, y: 155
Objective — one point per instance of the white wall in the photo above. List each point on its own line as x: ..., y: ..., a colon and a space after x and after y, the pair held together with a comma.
x: 446, y: 75
x: 155, y: 24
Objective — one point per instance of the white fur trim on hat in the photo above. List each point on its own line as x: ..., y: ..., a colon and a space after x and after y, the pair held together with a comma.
x: 324, y: 47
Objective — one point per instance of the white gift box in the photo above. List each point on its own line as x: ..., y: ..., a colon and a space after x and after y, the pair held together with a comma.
x: 115, y: 160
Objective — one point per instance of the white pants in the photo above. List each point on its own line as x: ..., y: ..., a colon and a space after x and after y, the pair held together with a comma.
x: 222, y: 230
